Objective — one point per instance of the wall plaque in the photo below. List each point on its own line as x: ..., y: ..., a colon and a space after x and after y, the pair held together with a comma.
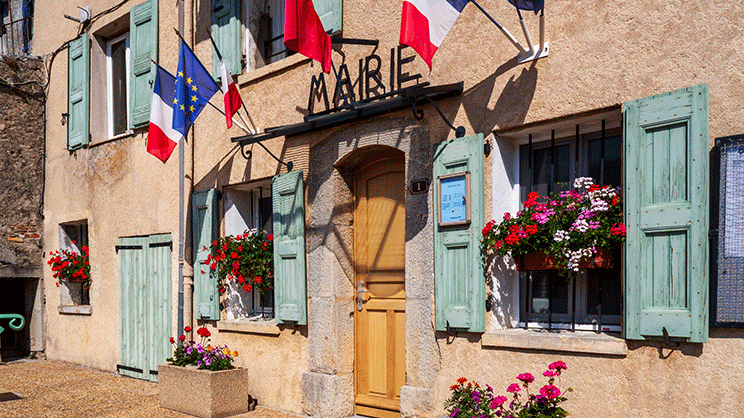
x: 454, y: 199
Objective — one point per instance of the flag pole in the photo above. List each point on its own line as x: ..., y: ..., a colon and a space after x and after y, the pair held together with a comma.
x: 506, y: 33
x: 526, y: 32
x: 246, y: 130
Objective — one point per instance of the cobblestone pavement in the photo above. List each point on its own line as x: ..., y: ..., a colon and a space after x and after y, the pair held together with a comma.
x: 51, y: 389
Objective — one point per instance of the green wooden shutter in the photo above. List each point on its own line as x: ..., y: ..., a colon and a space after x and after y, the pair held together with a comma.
x: 205, y: 229
x: 666, y: 206
x: 331, y: 14
x: 78, y: 92
x: 158, y: 255
x: 458, y: 272
x: 288, y: 198
x: 226, y: 31
x: 132, y: 305
x: 144, y: 304
x: 143, y: 41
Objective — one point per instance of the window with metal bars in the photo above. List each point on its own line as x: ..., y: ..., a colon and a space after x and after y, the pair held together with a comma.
x: 591, y: 299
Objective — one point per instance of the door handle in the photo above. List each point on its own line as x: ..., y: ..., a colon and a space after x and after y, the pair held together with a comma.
x: 360, y: 295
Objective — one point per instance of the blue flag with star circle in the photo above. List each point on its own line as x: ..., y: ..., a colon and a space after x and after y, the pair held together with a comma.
x: 194, y: 87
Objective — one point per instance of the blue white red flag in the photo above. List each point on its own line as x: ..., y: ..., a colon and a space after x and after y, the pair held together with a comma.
x: 194, y: 87
x: 425, y: 23
x: 161, y: 137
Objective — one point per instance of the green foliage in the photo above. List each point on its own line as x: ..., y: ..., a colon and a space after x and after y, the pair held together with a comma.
x: 247, y: 258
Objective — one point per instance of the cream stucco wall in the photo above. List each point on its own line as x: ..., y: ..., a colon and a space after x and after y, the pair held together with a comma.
x: 601, y: 54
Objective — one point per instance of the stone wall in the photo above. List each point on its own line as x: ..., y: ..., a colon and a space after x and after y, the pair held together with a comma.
x: 21, y: 162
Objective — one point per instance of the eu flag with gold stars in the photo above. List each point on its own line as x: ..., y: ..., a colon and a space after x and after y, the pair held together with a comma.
x: 194, y: 87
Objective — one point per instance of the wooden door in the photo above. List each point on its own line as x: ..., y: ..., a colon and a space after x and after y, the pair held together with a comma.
x: 379, y: 251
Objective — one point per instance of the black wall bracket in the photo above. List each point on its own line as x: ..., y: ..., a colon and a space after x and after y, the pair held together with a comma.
x: 419, y: 114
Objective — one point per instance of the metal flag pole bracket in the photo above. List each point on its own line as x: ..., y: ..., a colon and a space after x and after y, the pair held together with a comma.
x: 247, y: 154
x: 419, y: 113
x: 542, y: 49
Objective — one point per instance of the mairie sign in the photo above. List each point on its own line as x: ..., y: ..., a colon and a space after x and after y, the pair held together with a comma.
x: 372, y: 82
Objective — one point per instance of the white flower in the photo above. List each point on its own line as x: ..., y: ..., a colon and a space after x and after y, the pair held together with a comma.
x: 560, y: 235
x: 583, y: 182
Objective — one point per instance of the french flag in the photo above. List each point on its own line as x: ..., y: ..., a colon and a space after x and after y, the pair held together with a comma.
x: 425, y: 23
x: 161, y: 137
x: 232, y: 97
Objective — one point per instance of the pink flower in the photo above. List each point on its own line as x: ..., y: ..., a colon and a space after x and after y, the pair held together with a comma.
x: 498, y: 401
x: 550, y: 391
x: 507, y: 216
x: 549, y: 373
x: 558, y: 365
x: 526, y: 377
x: 514, y: 387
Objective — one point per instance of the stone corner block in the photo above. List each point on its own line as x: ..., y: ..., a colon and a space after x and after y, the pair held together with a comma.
x: 415, y: 402
x: 328, y: 395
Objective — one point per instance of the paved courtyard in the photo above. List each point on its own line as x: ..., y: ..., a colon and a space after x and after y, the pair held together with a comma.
x: 59, y: 390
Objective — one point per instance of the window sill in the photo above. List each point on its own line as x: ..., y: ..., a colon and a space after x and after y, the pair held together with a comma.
x: 269, y: 70
x: 127, y: 134
x: 75, y: 309
x: 566, y: 341
x: 249, y: 326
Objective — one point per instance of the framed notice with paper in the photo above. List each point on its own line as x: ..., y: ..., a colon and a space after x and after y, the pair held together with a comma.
x: 454, y: 199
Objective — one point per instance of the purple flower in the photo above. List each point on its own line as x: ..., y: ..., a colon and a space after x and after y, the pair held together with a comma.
x: 454, y: 412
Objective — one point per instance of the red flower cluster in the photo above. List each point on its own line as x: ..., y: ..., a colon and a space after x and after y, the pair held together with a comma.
x: 71, y: 266
x: 203, y: 332
x: 242, y: 257
x: 531, y: 200
x: 618, y: 229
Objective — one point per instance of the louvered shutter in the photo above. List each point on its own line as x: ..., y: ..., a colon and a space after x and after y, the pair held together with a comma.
x: 205, y: 229
x: 143, y: 27
x: 227, y: 35
x: 458, y: 273
x: 288, y: 199
x: 331, y: 15
x: 666, y: 206
x: 78, y: 92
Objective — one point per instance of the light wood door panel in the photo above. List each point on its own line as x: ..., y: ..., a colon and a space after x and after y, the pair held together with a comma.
x: 379, y: 238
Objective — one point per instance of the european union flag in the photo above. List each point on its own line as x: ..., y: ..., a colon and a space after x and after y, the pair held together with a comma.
x: 194, y: 88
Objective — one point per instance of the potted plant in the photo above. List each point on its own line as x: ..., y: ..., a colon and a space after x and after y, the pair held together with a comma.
x: 71, y: 266
x: 575, y: 229
x: 200, y: 367
x: 469, y: 399
x: 247, y: 259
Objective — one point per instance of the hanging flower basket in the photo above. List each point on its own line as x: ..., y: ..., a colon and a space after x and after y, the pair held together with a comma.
x: 539, y: 260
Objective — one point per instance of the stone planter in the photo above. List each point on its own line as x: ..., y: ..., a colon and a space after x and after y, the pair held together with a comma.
x: 203, y: 393
x: 538, y: 260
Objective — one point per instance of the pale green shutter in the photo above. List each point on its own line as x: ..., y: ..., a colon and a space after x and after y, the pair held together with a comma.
x: 666, y: 206
x: 132, y: 306
x: 205, y: 229
x: 226, y: 31
x: 288, y: 198
x: 331, y: 15
x: 78, y: 92
x: 143, y: 41
x: 158, y: 251
x: 459, y: 285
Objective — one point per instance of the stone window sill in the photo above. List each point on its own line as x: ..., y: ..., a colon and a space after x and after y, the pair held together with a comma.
x: 565, y: 341
x: 271, y: 69
x: 75, y: 309
x: 250, y: 326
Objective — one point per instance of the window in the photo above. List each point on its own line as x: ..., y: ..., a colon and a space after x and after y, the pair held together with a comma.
x: 248, y: 207
x: 117, y: 81
x: 593, y: 299
x: 73, y: 236
x: 250, y: 34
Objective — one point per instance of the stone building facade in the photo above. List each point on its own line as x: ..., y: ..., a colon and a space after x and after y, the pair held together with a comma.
x: 312, y: 350
x: 21, y: 221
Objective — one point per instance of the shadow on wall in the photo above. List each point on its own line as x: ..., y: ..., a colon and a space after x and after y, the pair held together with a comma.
x: 501, y: 279
x: 512, y: 105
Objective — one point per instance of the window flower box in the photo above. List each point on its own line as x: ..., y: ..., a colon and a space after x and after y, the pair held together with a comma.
x: 179, y: 387
x: 539, y: 260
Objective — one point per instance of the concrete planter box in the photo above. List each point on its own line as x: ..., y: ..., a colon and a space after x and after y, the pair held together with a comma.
x: 202, y: 393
